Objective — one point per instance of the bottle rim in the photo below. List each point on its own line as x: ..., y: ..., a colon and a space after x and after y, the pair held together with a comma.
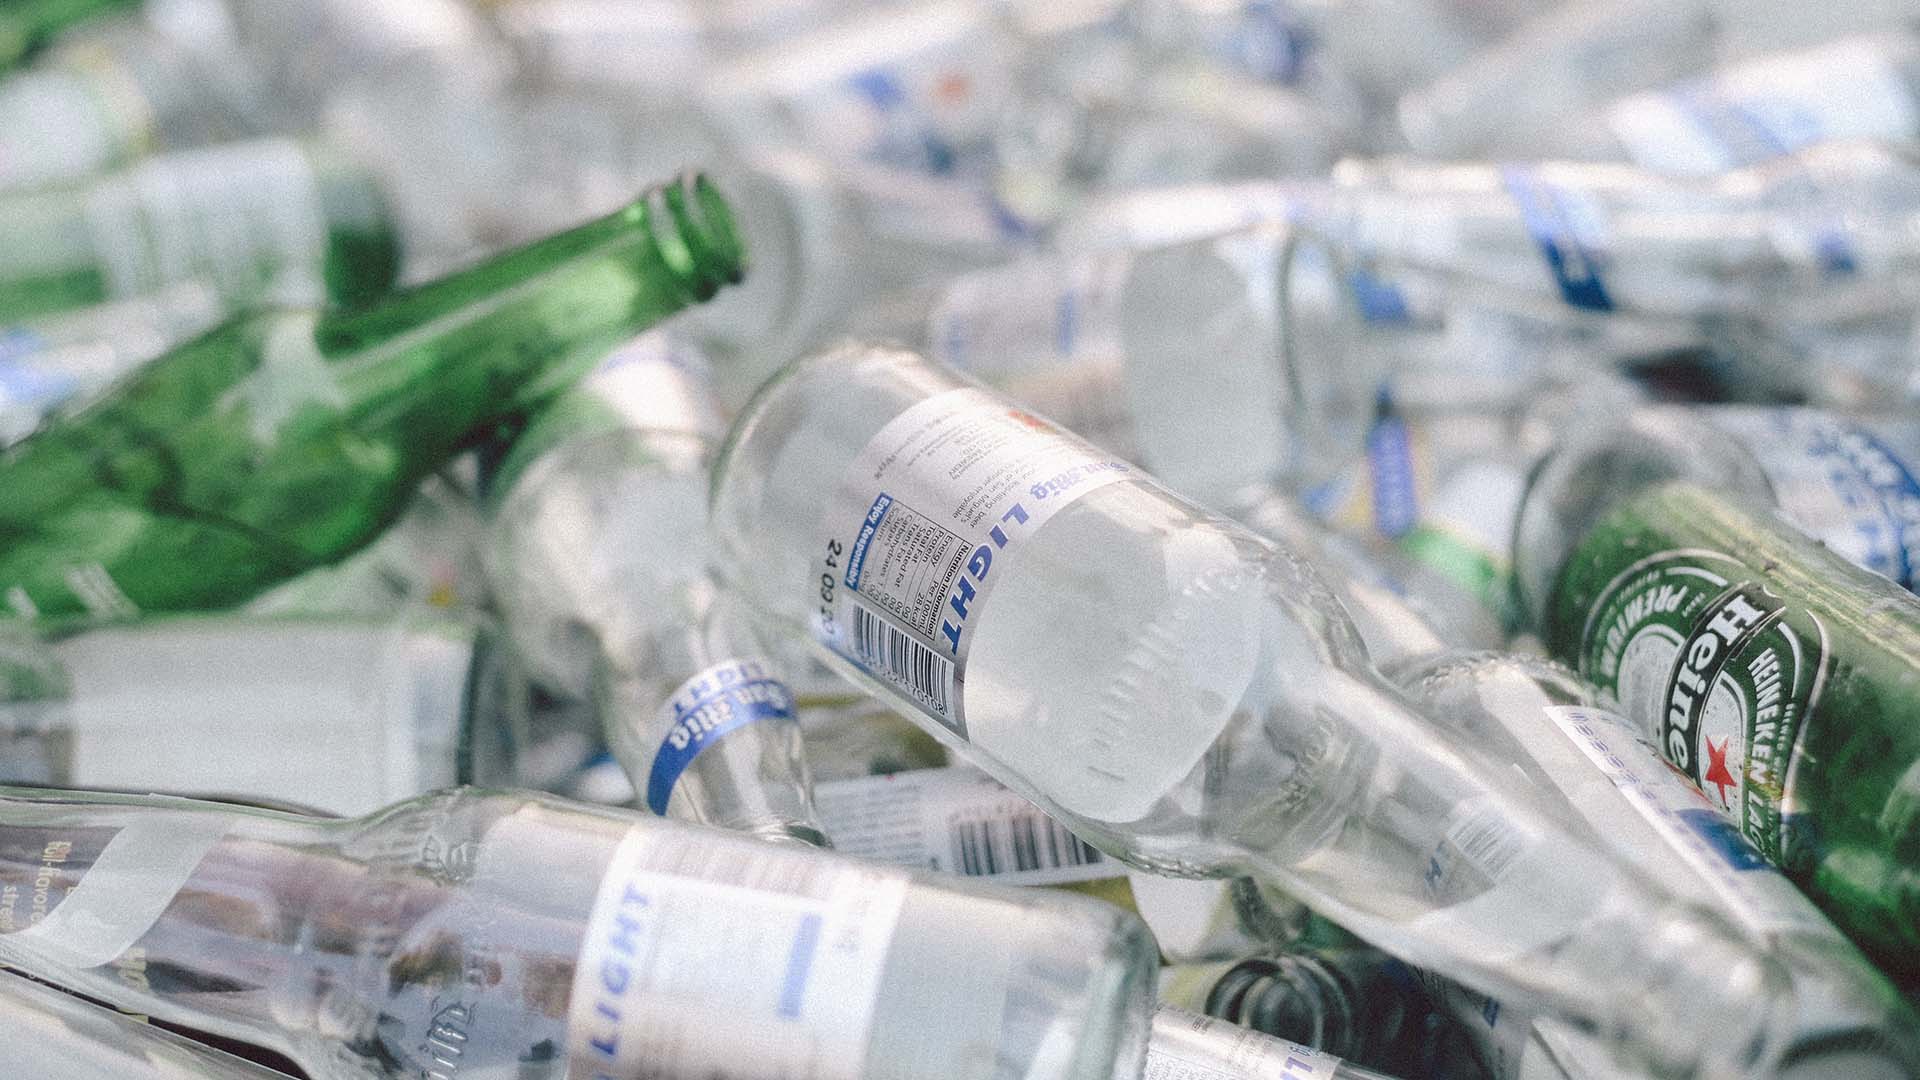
x: 694, y: 233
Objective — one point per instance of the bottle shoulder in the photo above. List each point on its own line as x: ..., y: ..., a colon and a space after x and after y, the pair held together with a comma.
x: 1590, y: 473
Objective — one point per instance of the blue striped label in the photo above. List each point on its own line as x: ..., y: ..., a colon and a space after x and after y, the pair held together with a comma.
x: 726, y: 696
x: 1567, y: 229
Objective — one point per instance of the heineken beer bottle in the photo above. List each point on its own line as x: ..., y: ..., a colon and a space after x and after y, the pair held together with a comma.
x: 290, y: 438
x: 1781, y: 678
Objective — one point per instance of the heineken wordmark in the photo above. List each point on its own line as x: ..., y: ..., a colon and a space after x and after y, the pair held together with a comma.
x: 288, y: 439
x: 1783, y: 680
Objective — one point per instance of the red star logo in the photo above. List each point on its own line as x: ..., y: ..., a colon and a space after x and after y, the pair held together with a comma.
x: 1717, y: 773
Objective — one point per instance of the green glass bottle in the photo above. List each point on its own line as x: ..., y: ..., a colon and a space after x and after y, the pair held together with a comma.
x: 287, y: 439
x: 27, y: 25
x: 1782, y: 679
x: 245, y: 218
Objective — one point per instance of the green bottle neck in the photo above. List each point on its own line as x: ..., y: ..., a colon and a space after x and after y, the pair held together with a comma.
x: 510, y: 333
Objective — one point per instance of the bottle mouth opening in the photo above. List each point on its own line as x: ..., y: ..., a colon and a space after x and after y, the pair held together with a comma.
x: 695, y: 233
x: 793, y: 833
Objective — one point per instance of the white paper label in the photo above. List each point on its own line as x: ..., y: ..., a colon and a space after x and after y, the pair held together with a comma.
x: 1767, y: 109
x: 1838, y: 482
x: 956, y: 820
x: 921, y: 527
x: 730, y: 960
x: 237, y: 216
x: 1743, y: 884
x: 1188, y: 1046
x: 336, y: 715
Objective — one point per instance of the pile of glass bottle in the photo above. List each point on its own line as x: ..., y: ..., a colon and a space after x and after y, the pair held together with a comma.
x: 514, y: 515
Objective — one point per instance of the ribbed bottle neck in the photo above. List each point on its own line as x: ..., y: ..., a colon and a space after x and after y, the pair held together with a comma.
x: 680, y: 236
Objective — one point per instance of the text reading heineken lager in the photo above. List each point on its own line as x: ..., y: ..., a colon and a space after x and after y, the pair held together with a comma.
x: 1779, y: 677
x: 288, y: 439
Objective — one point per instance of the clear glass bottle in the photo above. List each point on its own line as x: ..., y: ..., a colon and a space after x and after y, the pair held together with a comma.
x: 1542, y: 720
x: 309, y: 53
x: 1787, y: 273
x: 1154, y: 352
x: 1767, y: 107
x: 1189, y: 1046
x: 1505, y: 99
x: 1400, y: 605
x: 597, y: 548
x: 344, y: 715
x: 248, y: 219
x: 512, y: 936
x: 56, y: 1035
x: 1543, y: 84
x: 1138, y: 673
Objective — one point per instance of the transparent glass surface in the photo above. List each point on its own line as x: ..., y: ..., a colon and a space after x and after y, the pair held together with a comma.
x: 1190, y: 697
x: 445, y: 933
x: 55, y: 1036
x: 598, y: 547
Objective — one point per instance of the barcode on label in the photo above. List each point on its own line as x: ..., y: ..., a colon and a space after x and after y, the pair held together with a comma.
x: 887, y: 650
x: 1017, y: 844
x: 1486, y: 838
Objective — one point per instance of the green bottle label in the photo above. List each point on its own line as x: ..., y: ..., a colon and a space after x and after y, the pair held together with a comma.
x: 1730, y: 671
x: 1779, y: 678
